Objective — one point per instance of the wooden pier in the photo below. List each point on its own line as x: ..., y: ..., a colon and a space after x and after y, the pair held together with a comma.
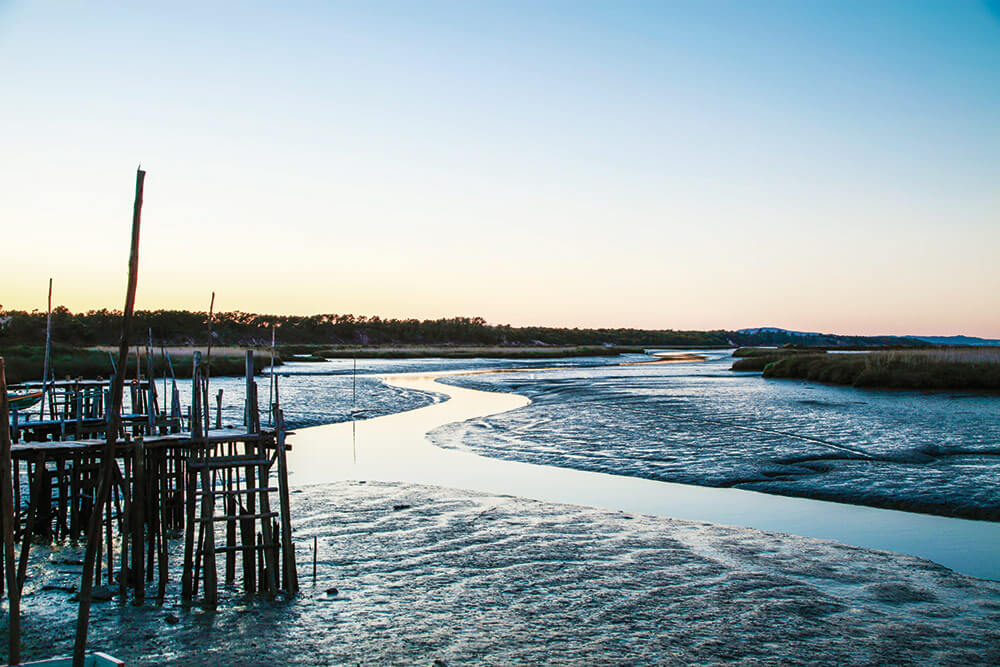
x: 224, y: 491
x: 126, y: 483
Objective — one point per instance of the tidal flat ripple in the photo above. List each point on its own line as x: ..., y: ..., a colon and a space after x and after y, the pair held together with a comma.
x: 410, y: 574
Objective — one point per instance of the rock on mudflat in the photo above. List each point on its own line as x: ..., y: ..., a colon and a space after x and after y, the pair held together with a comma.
x: 97, y: 594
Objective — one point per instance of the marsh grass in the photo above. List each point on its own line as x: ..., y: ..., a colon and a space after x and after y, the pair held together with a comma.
x: 940, y: 368
x: 756, y: 358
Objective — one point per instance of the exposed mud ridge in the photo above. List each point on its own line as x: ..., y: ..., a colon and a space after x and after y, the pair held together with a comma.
x: 477, y: 579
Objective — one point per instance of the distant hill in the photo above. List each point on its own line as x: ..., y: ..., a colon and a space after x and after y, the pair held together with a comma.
x: 779, y: 336
x: 956, y: 340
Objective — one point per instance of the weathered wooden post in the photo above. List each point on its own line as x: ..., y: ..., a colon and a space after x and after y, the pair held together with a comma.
x: 139, y: 520
x: 208, y: 366
x: 249, y: 389
x: 218, y: 410
x: 187, y: 578
x: 288, y: 547
x: 108, y: 457
x: 48, y: 347
x: 196, y: 397
x: 151, y: 387
x: 208, y: 526
x: 7, y: 523
x: 271, y: 416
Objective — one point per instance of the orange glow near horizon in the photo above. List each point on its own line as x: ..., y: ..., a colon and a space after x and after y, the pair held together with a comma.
x: 592, y: 168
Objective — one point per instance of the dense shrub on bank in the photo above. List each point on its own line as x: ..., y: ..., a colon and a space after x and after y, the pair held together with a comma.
x: 756, y: 358
x: 972, y: 369
x: 180, y: 327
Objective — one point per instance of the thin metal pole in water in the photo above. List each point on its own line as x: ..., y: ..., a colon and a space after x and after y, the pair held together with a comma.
x: 315, y: 540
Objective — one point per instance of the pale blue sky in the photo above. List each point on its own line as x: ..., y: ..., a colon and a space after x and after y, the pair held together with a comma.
x: 816, y: 165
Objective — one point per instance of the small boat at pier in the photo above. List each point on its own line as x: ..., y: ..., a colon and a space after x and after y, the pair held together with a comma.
x: 23, y: 401
x: 95, y: 659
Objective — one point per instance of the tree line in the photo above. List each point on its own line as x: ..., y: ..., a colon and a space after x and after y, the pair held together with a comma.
x: 183, y: 327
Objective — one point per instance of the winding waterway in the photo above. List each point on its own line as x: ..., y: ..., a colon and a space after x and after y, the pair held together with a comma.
x: 396, y: 448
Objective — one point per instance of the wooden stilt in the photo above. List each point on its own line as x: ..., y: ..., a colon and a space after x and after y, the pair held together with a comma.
x: 48, y: 347
x: 230, y: 503
x: 62, y: 521
x: 74, y: 500
x: 109, y: 545
x: 291, y: 576
x: 208, y: 523
x: 32, y: 520
x: 17, y: 499
x: 187, y: 578
x: 124, y: 526
x: 163, y: 551
x: 7, y: 522
x: 139, y: 521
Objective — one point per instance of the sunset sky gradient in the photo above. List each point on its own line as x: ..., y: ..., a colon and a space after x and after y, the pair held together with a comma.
x: 820, y: 166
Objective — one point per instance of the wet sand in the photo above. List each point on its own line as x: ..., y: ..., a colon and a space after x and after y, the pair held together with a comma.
x: 471, y: 578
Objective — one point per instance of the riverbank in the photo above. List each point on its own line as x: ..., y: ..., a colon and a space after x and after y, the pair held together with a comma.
x: 323, y: 352
x: 410, y: 574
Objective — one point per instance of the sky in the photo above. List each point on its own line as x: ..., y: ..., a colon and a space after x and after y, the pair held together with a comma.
x: 819, y: 166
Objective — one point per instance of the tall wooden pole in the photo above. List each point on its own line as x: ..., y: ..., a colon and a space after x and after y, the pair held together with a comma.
x: 271, y: 417
x: 114, y: 422
x: 48, y: 347
x: 7, y: 522
x: 208, y: 366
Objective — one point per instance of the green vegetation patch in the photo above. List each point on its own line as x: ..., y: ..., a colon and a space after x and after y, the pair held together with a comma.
x: 757, y: 358
x: 973, y: 369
